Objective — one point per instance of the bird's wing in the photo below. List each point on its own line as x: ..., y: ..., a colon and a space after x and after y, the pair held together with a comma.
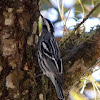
x: 56, y: 54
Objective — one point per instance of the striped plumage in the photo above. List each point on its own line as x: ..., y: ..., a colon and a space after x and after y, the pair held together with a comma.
x: 49, y: 56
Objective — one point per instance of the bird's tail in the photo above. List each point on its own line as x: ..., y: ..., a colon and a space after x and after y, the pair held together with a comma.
x: 59, y: 90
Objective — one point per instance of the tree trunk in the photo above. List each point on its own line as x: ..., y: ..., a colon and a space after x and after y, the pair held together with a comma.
x: 19, y: 69
x: 18, y: 44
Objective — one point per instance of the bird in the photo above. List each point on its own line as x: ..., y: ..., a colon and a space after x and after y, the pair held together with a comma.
x: 49, y: 58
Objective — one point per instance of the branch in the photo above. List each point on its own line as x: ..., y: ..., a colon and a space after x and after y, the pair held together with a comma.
x: 79, y: 59
x: 62, y: 42
x: 87, y: 16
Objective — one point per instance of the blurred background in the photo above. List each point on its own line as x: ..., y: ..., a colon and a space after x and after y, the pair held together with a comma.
x: 65, y: 15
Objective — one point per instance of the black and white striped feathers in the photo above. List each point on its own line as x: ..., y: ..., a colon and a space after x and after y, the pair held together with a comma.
x: 49, y: 56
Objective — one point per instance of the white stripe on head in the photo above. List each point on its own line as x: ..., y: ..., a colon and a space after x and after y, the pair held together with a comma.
x: 48, y: 26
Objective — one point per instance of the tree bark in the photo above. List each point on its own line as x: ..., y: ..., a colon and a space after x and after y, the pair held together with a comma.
x: 18, y: 44
x: 18, y: 59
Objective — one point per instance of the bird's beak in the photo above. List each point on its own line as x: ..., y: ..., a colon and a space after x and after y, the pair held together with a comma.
x: 41, y: 16
x: 43, y: 19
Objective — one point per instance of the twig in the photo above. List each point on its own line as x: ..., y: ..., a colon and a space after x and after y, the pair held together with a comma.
x: 87, y: 16
x: 65, y: 39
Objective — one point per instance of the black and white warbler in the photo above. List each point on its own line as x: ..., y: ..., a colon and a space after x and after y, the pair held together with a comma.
x: 49, y: 56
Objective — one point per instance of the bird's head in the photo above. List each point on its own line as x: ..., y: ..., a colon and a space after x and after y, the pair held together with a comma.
x: 47, y: 25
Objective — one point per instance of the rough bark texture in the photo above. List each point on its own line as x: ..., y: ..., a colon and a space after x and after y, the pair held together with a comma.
x: 18, y: 39
x: 18, y: 61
